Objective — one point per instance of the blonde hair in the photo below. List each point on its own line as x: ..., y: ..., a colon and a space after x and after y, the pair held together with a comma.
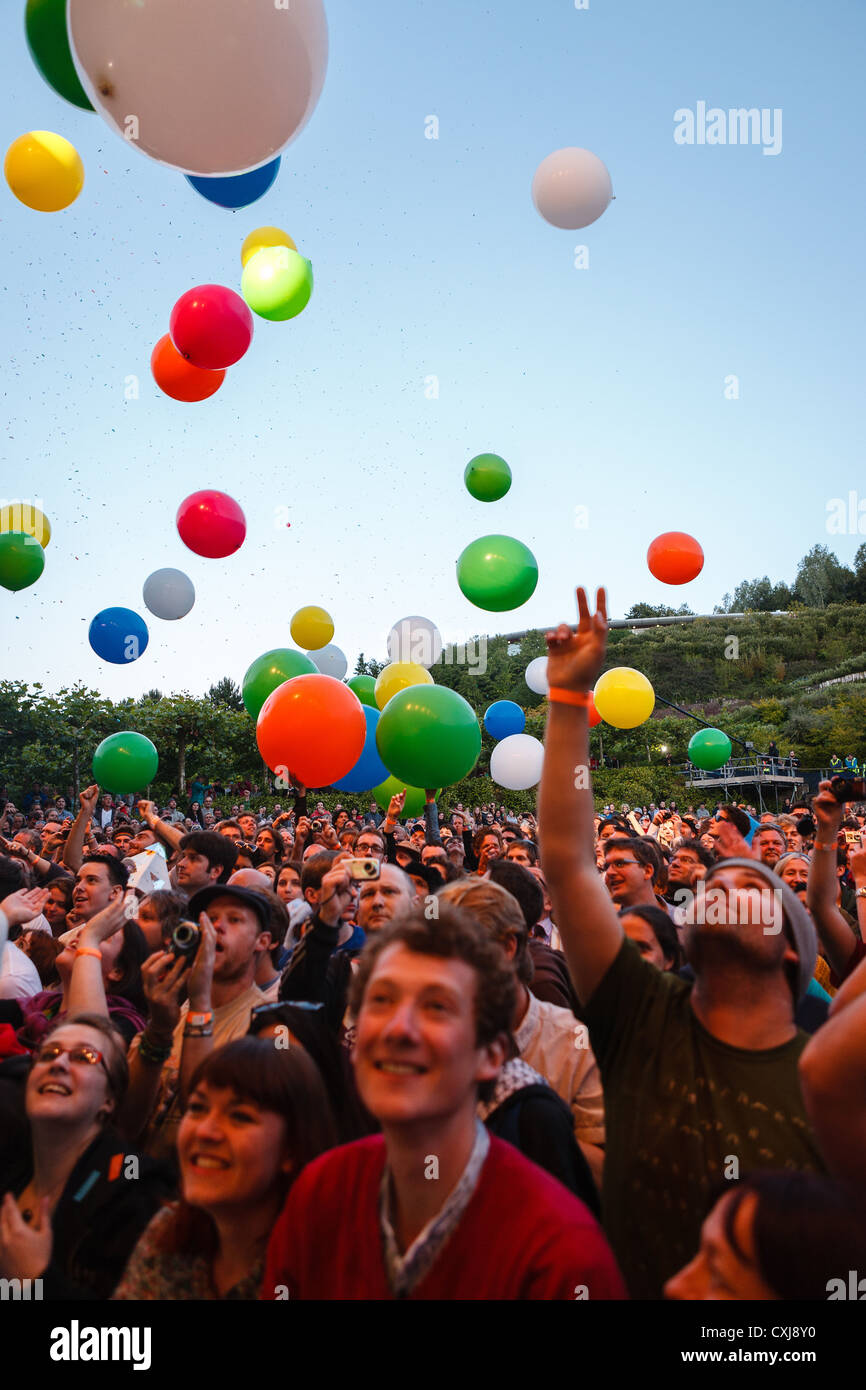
x: 499, y: 913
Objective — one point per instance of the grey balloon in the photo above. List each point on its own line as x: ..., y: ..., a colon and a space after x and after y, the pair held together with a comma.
x: 330, y: 661
x: 169, y: 594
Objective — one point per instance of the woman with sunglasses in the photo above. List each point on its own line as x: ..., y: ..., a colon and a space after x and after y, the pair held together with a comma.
x: 79, y: 1200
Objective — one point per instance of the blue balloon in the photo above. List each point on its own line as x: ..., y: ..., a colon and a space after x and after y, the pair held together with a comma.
x: 118, y: 635
x: 369, y: 771
x: 503, y: 719
x: 237, y: 190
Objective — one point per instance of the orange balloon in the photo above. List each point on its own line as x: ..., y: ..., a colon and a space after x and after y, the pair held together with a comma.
x: 179, y: 378
x: 314, y: 727
x: 594, y: 716
x: 675, y: 558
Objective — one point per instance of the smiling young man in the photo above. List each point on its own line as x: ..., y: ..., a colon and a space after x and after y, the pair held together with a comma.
x: 434, y: 1207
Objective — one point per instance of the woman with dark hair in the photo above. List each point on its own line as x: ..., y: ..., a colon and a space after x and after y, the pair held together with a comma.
x: 269, y: 846
x: 654, y: 934
x: 158, y: 915
x: 256, y: 1115
x: 79, y: 1199
x: 288, y: 881
x: 59, y: 904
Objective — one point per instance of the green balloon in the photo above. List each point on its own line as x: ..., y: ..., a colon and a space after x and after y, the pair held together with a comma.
x: 48, y: 41
x: 428, y: 734
x: 497, y: 573
x: 709, y: 749
x: 22, y: 560
x: 416, y: 797
x: 487, y: 477
x: 125, y: 762
x: 277, y: 283
x: 365, y: 689
x: 269, y: 671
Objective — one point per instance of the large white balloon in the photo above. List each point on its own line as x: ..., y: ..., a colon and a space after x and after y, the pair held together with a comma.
x: 571, y: 188
x: 415, y: 639
x: 206, y: 86
x: 330, y: 661
x: 536, y: 675
x: 168, y: 594
x: 516, y: 762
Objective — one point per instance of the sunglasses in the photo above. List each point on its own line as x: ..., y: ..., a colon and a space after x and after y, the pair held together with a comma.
x: 262, y: 1010
x: 82, y: 1053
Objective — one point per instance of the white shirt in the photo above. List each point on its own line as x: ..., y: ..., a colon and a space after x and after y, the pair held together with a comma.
x: 19, y: 978
x: 552, y: 1041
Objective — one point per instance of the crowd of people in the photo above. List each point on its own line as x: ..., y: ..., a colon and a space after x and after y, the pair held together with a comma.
x: 468, y: 1055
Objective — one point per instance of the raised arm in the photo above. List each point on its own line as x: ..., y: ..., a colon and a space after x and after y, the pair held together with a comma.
x: 169, y: 834
x: 73, y: 850
x: 86, y: 993
x: 833, y: 1078
x: 584, y: 914
x: 837, y: 938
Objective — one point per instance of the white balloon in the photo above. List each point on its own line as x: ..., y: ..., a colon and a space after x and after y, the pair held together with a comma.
x: 168, y: 594
x: 536, y: 675
x: 516, y: 762
x: 415, y: 639
x: 205, y: 86
x: 330, y: 661
x: 571, y: 188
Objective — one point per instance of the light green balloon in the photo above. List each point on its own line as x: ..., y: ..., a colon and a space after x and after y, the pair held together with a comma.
x: 365, y: 689
x: 277, y: 283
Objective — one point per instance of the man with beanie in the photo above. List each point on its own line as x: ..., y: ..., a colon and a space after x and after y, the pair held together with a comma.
x: 700, y: 1078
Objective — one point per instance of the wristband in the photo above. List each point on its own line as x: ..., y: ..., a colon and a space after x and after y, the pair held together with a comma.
x: 557, y: 696
x: 88, y: 951
x: 149, y: 1052
x: 199, y: 1020
x: 194, y: 1032
x: 826, y: 847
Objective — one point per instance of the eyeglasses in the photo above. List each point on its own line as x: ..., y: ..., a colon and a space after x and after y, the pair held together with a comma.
x: 618, y: 863
x: 261, y: 1010
x: 82, y: 1053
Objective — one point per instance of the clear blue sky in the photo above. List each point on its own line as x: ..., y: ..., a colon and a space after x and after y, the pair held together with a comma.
x: 602, y: 387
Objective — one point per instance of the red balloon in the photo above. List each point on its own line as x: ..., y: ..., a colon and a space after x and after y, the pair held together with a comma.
x: 314, y: 727
x: 594, y: 716
x: 179, y: 378
x: 211, y: 326
x: 675, y: 558
x: 211, y: 524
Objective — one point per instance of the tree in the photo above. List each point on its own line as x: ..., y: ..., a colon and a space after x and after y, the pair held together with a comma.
x: 821, y: 579
x: 226, y: 693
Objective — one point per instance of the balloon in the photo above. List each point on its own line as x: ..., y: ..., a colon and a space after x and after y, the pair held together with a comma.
x: 415, y: 639
x: 504, y: 718
x: 214, y: 86
x: 369, y: 770
x: 312, y: 627
x: 179, y: 378
x: 125, y: 762
x: 211, y: 524
x: 675, y: 558
x: 429, y: 734
x: 48, y: 41
x: 264, y: 237
x: 312, y: 727
x: 517, y: 761
x: 238, y: 190
x: 535, y: 675
x: 399, y: 676
x: 497, y: 573
x: 22, y: 560
x: 330, y: 661
x: 118, y: 635
x: 23, y: 516
x: 365, y: 689
x: 211, y: 326
x: 168, y: 594
x: 571, y: 188
x: 277, y: 283
x: 487, y: 477
x: 623, y: 697
x: 416, y: 797
x: 709, y: 749
x: 594, y: 716
x: 271, y: 670
x: 44, y: 171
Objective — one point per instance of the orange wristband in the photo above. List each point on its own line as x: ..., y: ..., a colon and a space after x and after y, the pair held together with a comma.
x: 557, y: 696
x: 88, y: 951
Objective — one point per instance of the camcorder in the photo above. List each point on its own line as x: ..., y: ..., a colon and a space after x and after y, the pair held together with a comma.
x: 848, y: 788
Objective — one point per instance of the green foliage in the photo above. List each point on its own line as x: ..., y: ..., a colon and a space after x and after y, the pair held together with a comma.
x: 227, y: 693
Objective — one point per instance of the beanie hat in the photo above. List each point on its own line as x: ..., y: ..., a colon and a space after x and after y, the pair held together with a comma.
x: 801, y: 931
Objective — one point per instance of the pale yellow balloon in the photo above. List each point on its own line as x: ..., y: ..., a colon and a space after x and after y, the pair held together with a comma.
x: 312, y: 628
x: 25, y: 518
x: 262, y: 239
x: 399, y: 676
x: 44, y: 171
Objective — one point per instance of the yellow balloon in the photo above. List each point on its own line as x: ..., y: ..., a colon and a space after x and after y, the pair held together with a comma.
x: 312, y: 628
x: 624, y: 698
x: 25, y: 518
x: 44, y: 171
x: 399, y: 676
x: 262, y: 239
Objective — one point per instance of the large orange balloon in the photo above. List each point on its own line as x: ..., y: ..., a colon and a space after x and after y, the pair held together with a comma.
x: 675, y: 558
x: 179, y: 378
x: 312, y: 726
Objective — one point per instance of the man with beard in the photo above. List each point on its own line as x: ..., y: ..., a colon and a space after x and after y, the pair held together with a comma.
x: 769, y: 844
x: 689, y: 864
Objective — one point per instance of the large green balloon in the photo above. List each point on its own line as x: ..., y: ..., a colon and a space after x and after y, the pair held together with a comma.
x: 487, y: 477
x: 429, y: 735
x: 125, y: 762
x: 365, y: 689
x: 416, y: 797
x: 497, y: 573
x: 709, y: 749
x: 269, y: 671
x: 48, y: 41
x: 277, y: 283
x: 22, y: 560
